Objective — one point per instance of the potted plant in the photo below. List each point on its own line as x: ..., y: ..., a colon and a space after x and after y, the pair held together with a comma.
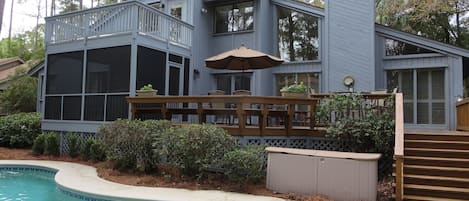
x: 294, y: 90
x: 147, y: 90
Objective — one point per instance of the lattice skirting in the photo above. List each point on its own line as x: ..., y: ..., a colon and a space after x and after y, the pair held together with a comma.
x: 318, y: 143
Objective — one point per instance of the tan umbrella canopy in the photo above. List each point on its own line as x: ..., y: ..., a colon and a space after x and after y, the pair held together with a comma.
x: 242, y: 58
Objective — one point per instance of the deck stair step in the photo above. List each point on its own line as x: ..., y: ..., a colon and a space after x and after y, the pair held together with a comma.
x: 455, y: 182
x: 437, y: 144
x: 436, y: 191
x: 444, y: 153
x: 436, y: 161
x: 426, y: 198
x: 437, y: 135
x: 436, y: 171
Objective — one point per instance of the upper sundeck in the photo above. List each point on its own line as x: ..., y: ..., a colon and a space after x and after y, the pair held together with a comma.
x: 132, y: 17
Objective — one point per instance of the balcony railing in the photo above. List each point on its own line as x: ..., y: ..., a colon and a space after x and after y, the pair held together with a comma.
x: 123, y: 18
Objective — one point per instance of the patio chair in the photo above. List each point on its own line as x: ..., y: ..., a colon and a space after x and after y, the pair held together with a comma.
x: 219, y: 117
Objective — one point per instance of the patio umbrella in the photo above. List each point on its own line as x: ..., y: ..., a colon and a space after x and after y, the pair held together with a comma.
x: 242, y: 58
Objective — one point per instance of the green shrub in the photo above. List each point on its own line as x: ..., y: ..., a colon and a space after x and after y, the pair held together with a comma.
x: 19, y: 130
x: 245, y: 164
x: 39, y: 144
x: 97, y: 151
x: 73, y: 144
x: 194, y: 148
x: 129, y: 143
x: 52, y: 144
x: 361, y: 126
x: 85, y: 150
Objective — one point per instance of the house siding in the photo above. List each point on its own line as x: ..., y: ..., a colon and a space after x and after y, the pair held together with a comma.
x: 350, y: 44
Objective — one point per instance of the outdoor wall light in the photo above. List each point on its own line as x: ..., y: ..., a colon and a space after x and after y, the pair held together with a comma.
x: 204, y: 10
x: 196, y: 73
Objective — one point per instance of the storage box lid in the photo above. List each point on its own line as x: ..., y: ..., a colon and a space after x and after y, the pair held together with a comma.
x: 321, y: 153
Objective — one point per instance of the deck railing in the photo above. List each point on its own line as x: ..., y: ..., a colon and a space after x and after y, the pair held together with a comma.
x: 239, y: 115
x: 462, y: 110
x: 121, y: 18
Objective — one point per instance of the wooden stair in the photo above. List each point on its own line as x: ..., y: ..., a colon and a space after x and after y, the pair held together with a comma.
x: 436, y: 165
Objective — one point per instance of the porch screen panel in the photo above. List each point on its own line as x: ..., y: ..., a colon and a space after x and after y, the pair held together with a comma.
x: 438, y: 96
x: 151, y: 68
x: 64, y: 73
x: 116, y: 107
x: 186, y: 76
x: 108, y: 70
x: 94, y: 108
x: 53, y: 107
x: 174, y: 80
x: 72, y: 108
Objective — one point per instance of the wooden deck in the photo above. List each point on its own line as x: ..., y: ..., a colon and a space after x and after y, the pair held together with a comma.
x: 241, y: 114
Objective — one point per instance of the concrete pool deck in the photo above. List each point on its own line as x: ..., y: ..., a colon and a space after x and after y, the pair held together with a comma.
x: 84, y: 179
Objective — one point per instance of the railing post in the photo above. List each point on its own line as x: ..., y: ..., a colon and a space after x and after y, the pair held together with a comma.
x: 399, y: 147
x: 134, y: 19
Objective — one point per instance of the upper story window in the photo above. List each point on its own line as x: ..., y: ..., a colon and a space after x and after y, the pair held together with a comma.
x: 297, y: 35
x: 234, y: 17
x: 396, y: 48
x: 315, y: 3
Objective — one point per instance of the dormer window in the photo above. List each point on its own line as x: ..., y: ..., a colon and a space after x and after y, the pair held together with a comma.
x: 234, y: 17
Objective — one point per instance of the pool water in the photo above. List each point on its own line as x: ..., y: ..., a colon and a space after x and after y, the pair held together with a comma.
x: 29, y: 184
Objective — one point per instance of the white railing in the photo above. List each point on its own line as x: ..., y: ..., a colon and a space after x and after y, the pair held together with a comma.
x: 115, y: 19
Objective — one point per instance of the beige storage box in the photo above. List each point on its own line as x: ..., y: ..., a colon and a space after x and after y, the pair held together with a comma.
x: 337, y: 175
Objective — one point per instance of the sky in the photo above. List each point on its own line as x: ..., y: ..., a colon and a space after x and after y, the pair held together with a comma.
x: 23, y: 16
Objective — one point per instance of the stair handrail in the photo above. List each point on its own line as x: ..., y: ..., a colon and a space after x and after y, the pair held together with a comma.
x: 399, y: 146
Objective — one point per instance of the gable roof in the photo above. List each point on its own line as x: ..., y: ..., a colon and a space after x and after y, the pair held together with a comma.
x: 35, y: 69
x: 420, y: 41
x: 8, y: 66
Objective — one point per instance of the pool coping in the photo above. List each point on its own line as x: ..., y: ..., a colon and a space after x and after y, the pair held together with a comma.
x: 83, y: 179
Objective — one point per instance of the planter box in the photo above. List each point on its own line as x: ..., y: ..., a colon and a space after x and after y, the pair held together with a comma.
x: 147, y: 92
x: 337, y: 175
x: 294, y: 94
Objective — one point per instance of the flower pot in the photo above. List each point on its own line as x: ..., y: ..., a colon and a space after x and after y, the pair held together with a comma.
x: 294, y: 94
x: 147, y: 92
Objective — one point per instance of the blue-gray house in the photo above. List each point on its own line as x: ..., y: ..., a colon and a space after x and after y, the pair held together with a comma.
x: 97, y: 57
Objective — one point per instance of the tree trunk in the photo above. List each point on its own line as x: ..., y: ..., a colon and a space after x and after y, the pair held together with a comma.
x: 11, y: 24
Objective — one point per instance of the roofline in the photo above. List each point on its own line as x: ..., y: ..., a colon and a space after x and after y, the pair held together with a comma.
x: 421, y: 41
x: 36, y: 68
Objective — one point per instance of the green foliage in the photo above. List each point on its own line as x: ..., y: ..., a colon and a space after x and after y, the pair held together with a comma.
x: 19, y: 130
x: 85, y: 150
x: 194, y: 148
x: 129, y: 143
x: 444, y: 21
x: 73, y: 144
x: 20, y: 95
x: 39, y: 144
x: 52, y: 144
x: 245, y: 164
x: 147, y: 87
x: 362, y: 126
x: 298, y: 88
x: 25, y: 45
x: 97, y: 151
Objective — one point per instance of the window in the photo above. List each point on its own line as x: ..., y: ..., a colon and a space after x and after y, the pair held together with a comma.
x: 315, y: 3
x: 395, y: 48
x: 297, y: 35
x: 311, y: 80
x: 424, y: 94
x: 235, y: 17
x: 233, y: 82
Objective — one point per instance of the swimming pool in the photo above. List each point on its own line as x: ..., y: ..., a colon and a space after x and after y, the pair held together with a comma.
x: 29, y: 183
